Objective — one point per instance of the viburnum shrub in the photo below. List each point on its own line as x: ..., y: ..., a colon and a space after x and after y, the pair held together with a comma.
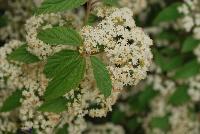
x: 71, y: 65
x: 99, y: 66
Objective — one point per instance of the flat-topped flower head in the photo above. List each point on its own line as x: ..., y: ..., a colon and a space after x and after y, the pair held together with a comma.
x: 126, y: 47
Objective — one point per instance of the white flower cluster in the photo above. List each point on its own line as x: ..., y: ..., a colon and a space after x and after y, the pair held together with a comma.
x: 78, y: 126
x: 126, y: 47
x: 35, y: 85
x: 36, y: 23
x: 38, y: 2
x: 137, y: 6
x: 191, y: 20
x: 194, y: 88
x: 36, y: 46
x: 164, y: 86
x: 180, y: 117
x: 9, y: 72
x: 197, y: 52
x: 182, y: 121
x: 17, y: 76
x: 16, y: 14
x: 105, y: 129
x: 88, y: 99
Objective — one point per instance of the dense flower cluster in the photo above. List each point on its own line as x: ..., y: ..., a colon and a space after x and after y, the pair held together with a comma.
x: 15, y: 17
x: 194, y: 88
x: 191, y: 20
x: 180, y: 118
x: 135, y: 5
x: 162, y: 115
x: 36, y: 23
x: 36, y: 46
x: 104, y: 129
x: 126, y: 47
x: 9, y: 72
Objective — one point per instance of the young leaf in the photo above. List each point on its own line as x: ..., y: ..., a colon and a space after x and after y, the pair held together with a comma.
x: 49, y: 6
x: 59, y: 61
x: 180, y: 96
x: 60, y: 36
x: 168, y: 14
x: 67, y: 79
x: 12, y: 101
x: 56, y: 105
x: 22, y: 55
x: 189, y: 44
x: 102, y: 76
x: 188, y: 70
x: 160, y: 122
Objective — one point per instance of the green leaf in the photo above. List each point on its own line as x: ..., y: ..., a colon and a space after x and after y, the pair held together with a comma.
x: 22, y: 55
x: 102, y: 76
x: 159, y: 59
x: 160, y: 122
x: 110, y: 2
x: 170, y: 52
x: 33, y: 131
x: 49, y: 6
x: 56, y: 105
x: 59, y: 61
x: 133, y: 124
x: 68, y: 79
x: 60, y: 36
x: 180, y: 96
x: 118, y: 116
x: 63, y: 130
x: 141, y: 101
x: 12, y: 101
x: 187, y: 70
x: 172, y: 62
x: 146, y: 95
x: 170, y: 13
x: 165, y: 35
x: 3, y: 21
x: 189, y: 44
x: 92, y: 19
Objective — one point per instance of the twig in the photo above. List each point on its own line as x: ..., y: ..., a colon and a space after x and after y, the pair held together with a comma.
x: 89, y: 3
